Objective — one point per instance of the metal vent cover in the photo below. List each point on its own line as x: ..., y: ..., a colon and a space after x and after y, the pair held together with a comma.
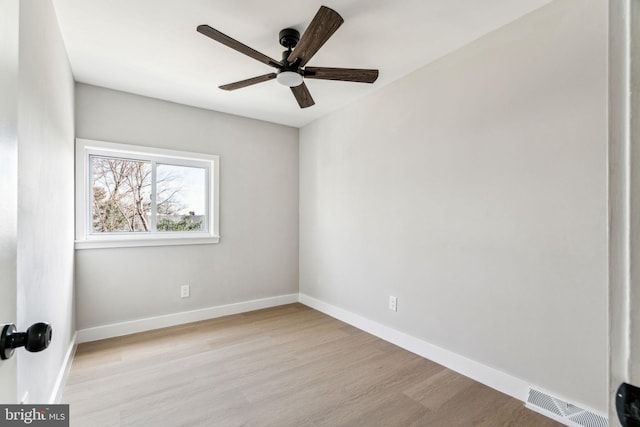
x: 563, y: 412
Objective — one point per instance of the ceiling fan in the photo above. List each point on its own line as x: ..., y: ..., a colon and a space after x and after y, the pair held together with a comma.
x: 291, y: 70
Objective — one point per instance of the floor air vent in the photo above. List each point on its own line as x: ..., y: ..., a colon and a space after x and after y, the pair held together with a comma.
x: 562, y: 411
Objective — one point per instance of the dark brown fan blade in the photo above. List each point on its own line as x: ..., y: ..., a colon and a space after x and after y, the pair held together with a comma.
x: 236, y: 45
x: 343, y: 74
x: 323, y: 25
x: 248, y: 82
x: 303, y: 96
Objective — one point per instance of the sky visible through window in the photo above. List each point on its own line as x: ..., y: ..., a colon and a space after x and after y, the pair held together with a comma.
x: 188, y: 185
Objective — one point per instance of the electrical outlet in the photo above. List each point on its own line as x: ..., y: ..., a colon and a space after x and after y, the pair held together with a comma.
x: 393, y: 303
x: 184, y: 291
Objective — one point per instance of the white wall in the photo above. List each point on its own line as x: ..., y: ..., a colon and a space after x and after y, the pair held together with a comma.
x: 45, y: 196
x: 475, y: 190
x: 257, y: 256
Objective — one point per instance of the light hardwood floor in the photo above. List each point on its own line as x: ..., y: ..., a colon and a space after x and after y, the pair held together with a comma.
x: 285, y: 366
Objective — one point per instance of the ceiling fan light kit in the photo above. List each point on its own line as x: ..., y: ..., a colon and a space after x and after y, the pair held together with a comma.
x: 291, y: 70
x: 289, y: 78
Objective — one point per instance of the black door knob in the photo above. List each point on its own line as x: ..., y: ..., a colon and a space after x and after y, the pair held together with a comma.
x: 628, y: 405
x: 36, y: 338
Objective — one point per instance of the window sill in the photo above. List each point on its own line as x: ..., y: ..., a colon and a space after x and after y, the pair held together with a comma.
x: 142, y: 242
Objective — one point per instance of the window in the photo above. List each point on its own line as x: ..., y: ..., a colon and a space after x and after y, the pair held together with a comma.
x: 139, y: 196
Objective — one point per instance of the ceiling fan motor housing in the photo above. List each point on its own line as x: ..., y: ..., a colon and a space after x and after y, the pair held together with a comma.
x: 289, y: 73
x: 289, y: 38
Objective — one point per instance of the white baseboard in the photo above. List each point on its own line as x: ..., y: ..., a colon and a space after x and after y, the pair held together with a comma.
x: 61, y: 380
x: 150, y: 323
x: 491, y: 377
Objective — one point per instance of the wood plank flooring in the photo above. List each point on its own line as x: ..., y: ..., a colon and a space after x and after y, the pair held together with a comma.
x: 285, y: 366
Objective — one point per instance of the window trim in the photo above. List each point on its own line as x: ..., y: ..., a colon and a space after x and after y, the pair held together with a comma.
x: 86, y: 239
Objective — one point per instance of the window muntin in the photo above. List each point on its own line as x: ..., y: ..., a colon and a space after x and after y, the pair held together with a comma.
x: 140, y: 196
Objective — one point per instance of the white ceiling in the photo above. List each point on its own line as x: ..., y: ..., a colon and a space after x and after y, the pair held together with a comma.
x: 151, y: 47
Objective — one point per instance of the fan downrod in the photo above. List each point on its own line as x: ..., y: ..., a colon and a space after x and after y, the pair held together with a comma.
x: 289, y: 38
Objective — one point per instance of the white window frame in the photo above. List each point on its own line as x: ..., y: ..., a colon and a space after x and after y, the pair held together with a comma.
x: 86, y: 239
